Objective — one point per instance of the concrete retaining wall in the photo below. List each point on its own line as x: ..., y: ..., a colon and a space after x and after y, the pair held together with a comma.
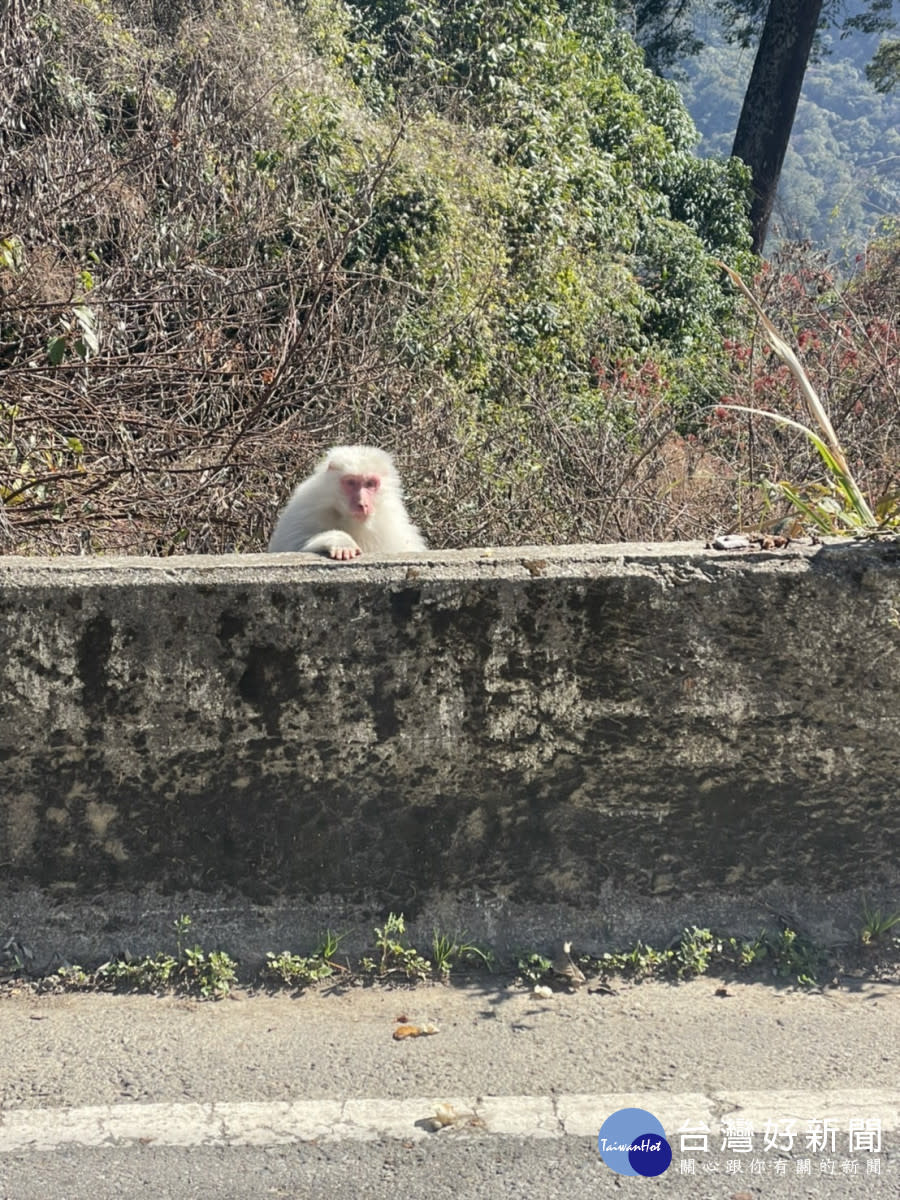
x: 547, y: 726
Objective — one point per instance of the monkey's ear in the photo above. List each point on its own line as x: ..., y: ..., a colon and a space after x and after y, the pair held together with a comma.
x: 332, y: 467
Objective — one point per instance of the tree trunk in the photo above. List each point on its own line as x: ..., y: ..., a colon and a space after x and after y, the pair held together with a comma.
x: 767, y: 115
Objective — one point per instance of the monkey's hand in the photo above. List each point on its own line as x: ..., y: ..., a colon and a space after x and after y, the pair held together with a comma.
x: 335, y: 543
x: 344, y: 553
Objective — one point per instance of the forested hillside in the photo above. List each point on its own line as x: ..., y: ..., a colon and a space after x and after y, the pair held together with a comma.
x: 233, y: 233
x: 841, y: 177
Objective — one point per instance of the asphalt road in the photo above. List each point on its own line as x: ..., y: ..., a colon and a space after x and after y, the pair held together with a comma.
x: 269, y: 1096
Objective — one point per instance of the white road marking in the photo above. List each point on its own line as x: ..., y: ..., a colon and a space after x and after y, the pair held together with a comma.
x: 284, y: 1122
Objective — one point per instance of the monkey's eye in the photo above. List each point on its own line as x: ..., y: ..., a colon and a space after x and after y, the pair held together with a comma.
x: 371, y: 484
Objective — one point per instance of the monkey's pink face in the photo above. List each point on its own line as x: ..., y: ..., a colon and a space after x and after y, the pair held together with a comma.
x: 359, y: 493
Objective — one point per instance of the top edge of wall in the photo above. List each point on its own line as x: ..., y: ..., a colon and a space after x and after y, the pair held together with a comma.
x: 513, y: 561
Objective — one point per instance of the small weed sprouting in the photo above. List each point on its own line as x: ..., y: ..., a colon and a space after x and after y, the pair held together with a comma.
x: 328, y: 945
x: 696, y: 949
x: 302, y: 971
x: 533, y: 967
x: 449, y: 950
x: 641, y: 962
x: 793, y: 954
x: 211, y: 974
x: 785, y: 954
x: 295, y: 971
x: 15, y: 955
x: 74, y: 978
x: 393, y: 957
x: 441, y: 953
x: 148, y: 974
x: 876, y: 924
x: 206, y: 973
x: 182, y: 925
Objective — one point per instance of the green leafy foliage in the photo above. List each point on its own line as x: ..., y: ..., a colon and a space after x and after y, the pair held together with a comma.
x: 479, y: 235
x: 877, y: 924
x: 356, y: 217
x: 449, y: 951
x: 785, y: 955
x: 296, y: 971
x: 533, y: 967
x: 392, y: 956
x: 302, y: 971
x: 883, y: 72
x: 210, y: 974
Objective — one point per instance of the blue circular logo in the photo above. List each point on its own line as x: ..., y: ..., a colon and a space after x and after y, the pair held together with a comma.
x: 633, y: 1142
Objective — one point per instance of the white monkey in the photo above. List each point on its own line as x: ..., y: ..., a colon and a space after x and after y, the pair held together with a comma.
x: 353, y: 502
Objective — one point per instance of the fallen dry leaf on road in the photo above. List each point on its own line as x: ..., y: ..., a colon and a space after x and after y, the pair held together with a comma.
x: 447, y: 1117
x: 405, y: 1031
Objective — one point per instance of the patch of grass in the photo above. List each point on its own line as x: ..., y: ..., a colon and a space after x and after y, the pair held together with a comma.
x: 876, y: 924
x: 328, y: 944
x: 449, y: 950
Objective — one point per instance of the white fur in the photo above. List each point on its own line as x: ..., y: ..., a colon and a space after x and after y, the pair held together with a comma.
x: 316, y: 520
